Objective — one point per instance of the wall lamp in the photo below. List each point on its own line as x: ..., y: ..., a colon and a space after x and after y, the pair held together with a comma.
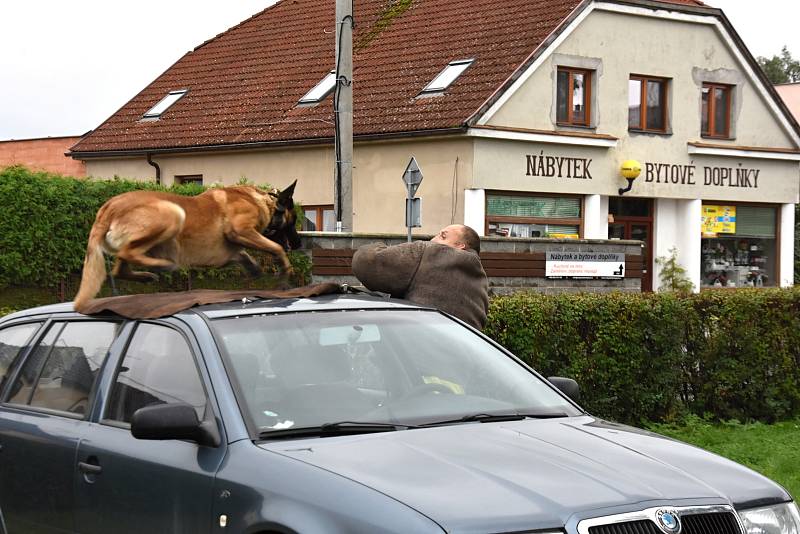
x: 630, y: 171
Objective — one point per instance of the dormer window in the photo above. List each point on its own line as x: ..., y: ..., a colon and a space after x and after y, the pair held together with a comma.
x: 318, y: 93
x: 445, y: 79
x: 164, y: 104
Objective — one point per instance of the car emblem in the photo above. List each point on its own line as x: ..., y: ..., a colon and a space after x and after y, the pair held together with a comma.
x: 668, y: 521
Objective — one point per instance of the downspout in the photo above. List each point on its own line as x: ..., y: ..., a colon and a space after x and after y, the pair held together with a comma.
x: 154, y: 164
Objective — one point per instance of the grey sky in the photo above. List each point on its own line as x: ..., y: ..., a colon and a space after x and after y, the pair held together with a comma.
x: 66, y: 66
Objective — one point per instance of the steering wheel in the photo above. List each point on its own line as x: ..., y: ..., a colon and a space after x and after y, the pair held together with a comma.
x: 425, y: 389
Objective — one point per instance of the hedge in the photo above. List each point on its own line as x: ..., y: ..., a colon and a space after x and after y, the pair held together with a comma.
x: 46, y: 220
x: 723, y: 354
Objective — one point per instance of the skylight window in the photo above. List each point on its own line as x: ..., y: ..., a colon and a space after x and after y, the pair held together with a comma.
x: 446, y: 78
x: 164, y: 104
x: 321, y: 90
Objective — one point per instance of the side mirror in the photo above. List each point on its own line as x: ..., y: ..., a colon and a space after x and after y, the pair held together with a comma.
x: 567, y: 386
x: 173, y: 421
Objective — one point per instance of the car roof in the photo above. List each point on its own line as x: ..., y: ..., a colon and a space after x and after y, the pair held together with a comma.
x: 311, y: 304
x: 332, y: 302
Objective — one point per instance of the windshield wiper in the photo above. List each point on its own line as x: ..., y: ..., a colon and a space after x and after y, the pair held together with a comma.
x: 341, y: 428
x: 497, y: 417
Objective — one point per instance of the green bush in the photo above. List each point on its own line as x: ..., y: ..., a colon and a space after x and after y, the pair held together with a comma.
x: 638, y: 357
x: 46, y: 220
x: 5, y: 311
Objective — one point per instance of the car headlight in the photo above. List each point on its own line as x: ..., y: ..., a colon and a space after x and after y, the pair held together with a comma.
x: 779, y: 519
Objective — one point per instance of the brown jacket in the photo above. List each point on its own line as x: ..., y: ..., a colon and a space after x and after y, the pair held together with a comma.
x: 427, y: 273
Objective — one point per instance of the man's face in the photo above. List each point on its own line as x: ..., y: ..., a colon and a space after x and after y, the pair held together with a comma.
x: 450, y: 236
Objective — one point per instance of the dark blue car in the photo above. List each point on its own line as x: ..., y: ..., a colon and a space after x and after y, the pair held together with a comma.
x: 336, y: 414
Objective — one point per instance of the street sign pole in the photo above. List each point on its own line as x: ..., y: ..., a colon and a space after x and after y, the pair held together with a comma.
x: 409, y: 210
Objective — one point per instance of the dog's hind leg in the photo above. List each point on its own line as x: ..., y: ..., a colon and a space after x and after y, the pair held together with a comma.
x: 165, y: 221
x: 123, y: 270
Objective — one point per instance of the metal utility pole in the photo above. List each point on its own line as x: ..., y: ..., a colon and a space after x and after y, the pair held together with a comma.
x: 343, y: 117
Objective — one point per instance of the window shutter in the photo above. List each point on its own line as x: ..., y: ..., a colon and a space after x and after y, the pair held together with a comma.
x: 755, y: 221
x: 549, y: 207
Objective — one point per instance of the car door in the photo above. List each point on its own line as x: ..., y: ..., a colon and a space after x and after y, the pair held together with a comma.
x: 46, y: 404
x: 130, y: 485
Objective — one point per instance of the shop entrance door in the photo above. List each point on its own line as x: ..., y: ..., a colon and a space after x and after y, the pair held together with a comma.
x: 632, y: 218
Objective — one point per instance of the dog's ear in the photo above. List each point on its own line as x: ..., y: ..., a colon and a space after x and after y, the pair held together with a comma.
x: 285, y: 196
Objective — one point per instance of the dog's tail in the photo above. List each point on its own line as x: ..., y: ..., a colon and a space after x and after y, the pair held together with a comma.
x: 94, y: 268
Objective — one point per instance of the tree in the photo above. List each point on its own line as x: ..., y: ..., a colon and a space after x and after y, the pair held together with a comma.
x: 673, y: 275
x: 781, y: 69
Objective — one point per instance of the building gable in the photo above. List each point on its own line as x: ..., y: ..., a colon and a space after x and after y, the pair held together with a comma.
x: 686, y: 48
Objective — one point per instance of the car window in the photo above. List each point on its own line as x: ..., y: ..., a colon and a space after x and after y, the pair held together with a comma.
x: 61, y: 371
x: 12, y: 340
x: 300, y: 370
x: 158, y: 368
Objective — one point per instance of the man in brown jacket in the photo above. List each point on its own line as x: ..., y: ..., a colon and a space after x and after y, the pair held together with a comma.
x: 444, y: 273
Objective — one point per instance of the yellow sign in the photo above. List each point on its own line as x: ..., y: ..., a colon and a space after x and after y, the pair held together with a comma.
x: 718, y: 220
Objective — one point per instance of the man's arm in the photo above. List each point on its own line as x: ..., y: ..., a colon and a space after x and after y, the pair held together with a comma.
x: 388, y: 269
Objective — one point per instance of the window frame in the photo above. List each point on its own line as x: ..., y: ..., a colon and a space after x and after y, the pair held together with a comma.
x: 194, y: 349
x: 320, y: 208
x: 644, y: 79
x: 320, y: 91
x: 710, y: 116
x: 441, y: 87
x: 22, y: 355
x: 572, y: 221
x: 33, y: 343
x: 172, y: 97
x: 587, y: 96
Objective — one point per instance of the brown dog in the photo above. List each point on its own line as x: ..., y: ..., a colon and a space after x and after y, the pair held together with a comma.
x: 165, y: 231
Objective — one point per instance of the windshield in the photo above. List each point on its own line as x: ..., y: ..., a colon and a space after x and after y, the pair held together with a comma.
x: 382, y: 366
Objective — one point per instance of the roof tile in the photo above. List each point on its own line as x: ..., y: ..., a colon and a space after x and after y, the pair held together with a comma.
x: 244, y: 84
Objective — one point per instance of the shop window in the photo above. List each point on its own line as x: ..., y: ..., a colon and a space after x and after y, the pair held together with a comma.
x: 183, y: 179
x: 319, y: 219
x: 647, y: 104
x: 716, y: 119
x: 739, y: 246
x: 573, y: 97
x: 533, y: 216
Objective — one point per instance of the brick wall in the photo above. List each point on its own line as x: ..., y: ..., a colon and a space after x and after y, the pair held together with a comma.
x: 45, y: 154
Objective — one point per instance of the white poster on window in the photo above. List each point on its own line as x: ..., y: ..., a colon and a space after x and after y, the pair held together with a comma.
x: 585, y: 265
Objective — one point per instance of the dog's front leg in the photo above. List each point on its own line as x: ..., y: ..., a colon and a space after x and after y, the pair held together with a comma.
x: 245, y: 260
x: 250, y: 238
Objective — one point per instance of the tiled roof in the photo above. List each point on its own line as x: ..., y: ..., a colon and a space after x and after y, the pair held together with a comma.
x: 244, y: 84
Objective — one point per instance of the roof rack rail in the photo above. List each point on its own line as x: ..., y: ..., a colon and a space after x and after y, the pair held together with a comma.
x: 347, y: 288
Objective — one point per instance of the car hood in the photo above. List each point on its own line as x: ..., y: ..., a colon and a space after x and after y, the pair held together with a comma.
x: 527, y: 474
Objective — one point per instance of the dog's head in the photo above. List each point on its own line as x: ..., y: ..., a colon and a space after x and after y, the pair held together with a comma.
x: 282, y: 228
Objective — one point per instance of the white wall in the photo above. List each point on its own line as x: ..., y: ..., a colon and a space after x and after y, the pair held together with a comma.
x: 786, y: 268
x: 677, y: 224
x: 595, y: 222
x: 475, y: 209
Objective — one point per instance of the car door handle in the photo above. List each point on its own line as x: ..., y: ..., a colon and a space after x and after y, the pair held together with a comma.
x: 90, y: 469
